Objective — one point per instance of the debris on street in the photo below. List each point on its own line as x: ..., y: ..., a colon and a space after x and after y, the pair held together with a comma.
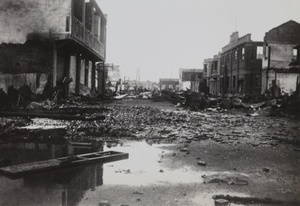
x: 253, y: 200
x: 227, y: 177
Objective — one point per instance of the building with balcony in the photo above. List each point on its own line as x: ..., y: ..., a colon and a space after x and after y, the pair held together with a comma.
x: 241, y: 66
x: 190, y: 79
x: 50, y: 42
x: 281, y: 60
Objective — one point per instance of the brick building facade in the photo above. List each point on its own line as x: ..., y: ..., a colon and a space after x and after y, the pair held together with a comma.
x: 241, y: 66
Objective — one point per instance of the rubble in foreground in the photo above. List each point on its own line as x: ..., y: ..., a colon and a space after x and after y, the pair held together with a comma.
x: 170, y: 125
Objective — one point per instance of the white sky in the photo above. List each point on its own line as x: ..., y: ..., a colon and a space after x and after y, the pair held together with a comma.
x: 159, y: 37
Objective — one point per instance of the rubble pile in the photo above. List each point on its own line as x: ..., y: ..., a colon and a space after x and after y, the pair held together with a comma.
x: 158, y: 126
x: 175, y: 124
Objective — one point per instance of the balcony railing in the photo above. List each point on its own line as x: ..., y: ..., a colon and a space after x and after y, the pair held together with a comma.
x: 81, y: 33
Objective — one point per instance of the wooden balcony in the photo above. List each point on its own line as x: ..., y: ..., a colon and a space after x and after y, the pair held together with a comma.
x: 84, y: 36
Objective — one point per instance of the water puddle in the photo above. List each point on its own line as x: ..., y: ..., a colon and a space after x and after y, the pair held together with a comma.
x: 57, y: 187
x: 146, y: 166
x: 87, y: 185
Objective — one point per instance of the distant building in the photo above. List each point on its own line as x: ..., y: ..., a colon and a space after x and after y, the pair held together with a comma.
x: 241, y: 66
x: 281, y: 57
x: 189, y: 79
x: 169, y: 84
x: 214, y: 82
x: 112, y: 76
x: 148, y: 85
x: 207, y: 73
x: 112, y: 72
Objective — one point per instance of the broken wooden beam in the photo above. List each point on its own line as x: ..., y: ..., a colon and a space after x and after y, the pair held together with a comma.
x: 63, y: 162
x: 253, y: 200
x: 51, y: 116
x: 70, y: 111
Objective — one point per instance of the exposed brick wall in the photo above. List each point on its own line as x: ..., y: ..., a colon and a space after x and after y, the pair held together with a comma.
x: 287, y: 33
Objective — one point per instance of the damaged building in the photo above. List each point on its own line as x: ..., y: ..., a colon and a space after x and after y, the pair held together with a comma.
x: 52, y: 43
x: 241, y: 66
x: 190, y: 79
x: 169, y: 84
x: 281, y: 59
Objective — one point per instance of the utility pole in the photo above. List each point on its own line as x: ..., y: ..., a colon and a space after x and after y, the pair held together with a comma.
x: 139, y: 76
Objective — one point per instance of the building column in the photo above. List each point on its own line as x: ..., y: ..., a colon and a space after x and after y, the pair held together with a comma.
x: 67, y: 75
x: 93, y: 75
x: 101, y: 78
x: 86, y: 72
x: 238, y: 71
x: 78, y: 67
x: 54, y: 71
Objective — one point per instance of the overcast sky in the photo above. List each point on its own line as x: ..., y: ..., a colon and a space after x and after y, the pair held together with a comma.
x: 159, y: 37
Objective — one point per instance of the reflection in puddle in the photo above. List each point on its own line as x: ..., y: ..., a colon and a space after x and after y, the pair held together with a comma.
x: 65, y: 187
x: 74, y: 186
x: 57, y: 187
x: 145, y: 166
x: 206, y: 199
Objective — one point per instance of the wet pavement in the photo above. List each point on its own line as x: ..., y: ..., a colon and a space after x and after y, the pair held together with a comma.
x: 176, y: 157
x: 154, y: 174
x: 163, y: 174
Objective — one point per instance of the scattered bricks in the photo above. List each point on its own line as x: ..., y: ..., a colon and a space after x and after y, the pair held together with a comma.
x: 297, y: 149
x: 255, y: 143
x: 202, y: 163
x: 103, y: 203
x: 274, y: 143
x: 184, y: 149
x: 221, y: 202
x: 137, y: 193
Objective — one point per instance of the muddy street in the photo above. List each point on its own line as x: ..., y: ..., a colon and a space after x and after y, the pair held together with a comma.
x: 176, y: 157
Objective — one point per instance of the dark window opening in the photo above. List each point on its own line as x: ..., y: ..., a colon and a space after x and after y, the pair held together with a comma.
x: 227, y: 84
x: 240, y: 86
x: 215, y: 66
x: 88, y: 16
x: 78, y: 7
x: 86, y: 74
x: 258, y: 81
x: 205, y: 67
x: 204, y: 82
x: 228, y: 58
x: 67, y: 23
x: 233, y: 81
